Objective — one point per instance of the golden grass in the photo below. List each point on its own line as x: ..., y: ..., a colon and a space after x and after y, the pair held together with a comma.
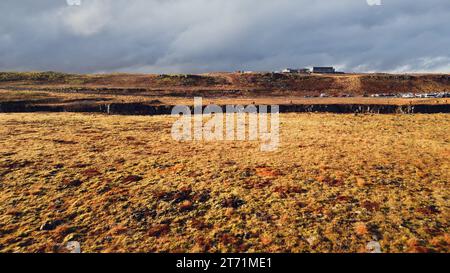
x: 300, y: 100
x: 61, y: 98
x: 121, y: 184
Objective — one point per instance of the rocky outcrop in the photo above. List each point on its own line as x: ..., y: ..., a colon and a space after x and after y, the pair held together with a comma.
x: 147, y: 109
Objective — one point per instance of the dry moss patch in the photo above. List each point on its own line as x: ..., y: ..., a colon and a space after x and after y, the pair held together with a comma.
x: 121, y: 184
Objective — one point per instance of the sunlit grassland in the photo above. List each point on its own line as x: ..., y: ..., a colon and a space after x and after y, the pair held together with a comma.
x: 121, y: 183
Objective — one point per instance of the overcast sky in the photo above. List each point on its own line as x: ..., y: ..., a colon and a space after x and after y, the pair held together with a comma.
x: 171, y: 36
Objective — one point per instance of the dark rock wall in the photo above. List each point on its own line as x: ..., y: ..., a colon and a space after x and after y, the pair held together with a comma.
x: 145, y: 109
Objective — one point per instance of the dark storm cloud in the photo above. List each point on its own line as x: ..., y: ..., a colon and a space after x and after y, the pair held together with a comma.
x: 221, y: 35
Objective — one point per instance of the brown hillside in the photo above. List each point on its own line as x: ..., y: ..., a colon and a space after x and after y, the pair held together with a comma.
x: 235, y: 84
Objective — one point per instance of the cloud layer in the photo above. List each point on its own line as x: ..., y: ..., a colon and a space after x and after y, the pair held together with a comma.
x: 158, y: 36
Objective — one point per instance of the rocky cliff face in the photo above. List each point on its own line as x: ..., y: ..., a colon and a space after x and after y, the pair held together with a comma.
x: 148, y: 109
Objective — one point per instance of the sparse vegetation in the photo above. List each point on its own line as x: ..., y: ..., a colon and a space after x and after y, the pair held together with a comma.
x: 120, y: 183
x: 189, y: 80
x: 49, y: 76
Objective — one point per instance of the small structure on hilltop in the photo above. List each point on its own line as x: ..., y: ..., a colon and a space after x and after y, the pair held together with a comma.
x: 304, y: 70
x: 324, y: 69
x: 289, y: 70
x: 295, y: 71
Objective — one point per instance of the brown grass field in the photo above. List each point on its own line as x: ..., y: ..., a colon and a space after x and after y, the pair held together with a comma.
x: 64, y: 98
x: 122, y: 184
